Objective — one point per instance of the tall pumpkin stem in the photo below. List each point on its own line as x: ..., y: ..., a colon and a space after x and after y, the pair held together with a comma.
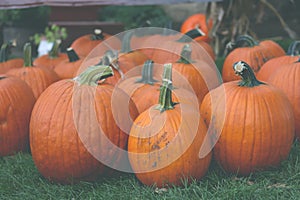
x: 53, y: 53
x: 93, y: 74
x: 147, y: 73
x: 192, y: 34
x: 3, y: 53
x: 185, y: 56
x: 165, y: 96
x: 98, y: 35
x: 125, y: 48
x: 72, y: 55
x: 242, y: 69
x: 27, y: 55
x: 292, y: 50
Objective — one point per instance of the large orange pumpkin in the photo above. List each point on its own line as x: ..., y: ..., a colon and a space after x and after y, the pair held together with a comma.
x: 197, y: 21
x: 287, y: 78
x: 250, y: 123
x: 38, y: 78
x: 256, y: 54
x: 17, y: 101
x: 76, y: 132
x: 165, y: 141
x: 275, y: 63
x: 5, y: 63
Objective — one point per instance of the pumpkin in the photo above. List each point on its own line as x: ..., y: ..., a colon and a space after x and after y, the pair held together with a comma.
x: 38, y: 78
x: 169, y: 51
x: 165, y: 141
x: 287, y: 78
x: 256, y: 54
x: 197, y: 21
x: 83, y: 45
x: 76, y: 132
x: 68, y: 68
x: 275, y: 63
x: 17, y: 101
x: 250, y: 123
x: 53, y: 58
x: 5, y: 63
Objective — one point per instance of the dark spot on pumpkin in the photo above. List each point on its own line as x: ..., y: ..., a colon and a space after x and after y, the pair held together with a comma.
x: 154, y: 164
x: 155, y: 146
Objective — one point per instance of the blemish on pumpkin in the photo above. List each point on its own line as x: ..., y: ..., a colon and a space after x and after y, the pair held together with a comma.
x: 155, y: 146
x: 154, y: 164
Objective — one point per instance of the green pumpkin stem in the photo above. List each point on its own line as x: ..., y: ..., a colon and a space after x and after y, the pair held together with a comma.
x: 192, y: 34
x: 54, y: 52
x: 147, y: 73
x: 165, y: 96
x: 93, y: 74
x: 27, y: 55
x: 292, y: 50
x: 242, y: 69
x: 241, y: 40
x: 98, y: 35
x: 72, y: 55
x: 185, y: 56
x: 4, y: 52
x: 125, y: 48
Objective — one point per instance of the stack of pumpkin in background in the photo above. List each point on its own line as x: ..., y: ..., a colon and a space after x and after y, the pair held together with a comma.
x: 152, y: 104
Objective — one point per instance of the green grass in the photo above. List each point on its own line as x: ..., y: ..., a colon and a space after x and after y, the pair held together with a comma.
x: 19, y: 179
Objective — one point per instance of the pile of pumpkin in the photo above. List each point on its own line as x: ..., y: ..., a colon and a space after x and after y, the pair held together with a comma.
x: 156, y: 107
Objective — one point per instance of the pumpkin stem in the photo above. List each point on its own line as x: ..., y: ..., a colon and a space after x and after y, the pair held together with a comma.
x: 2, y: 77
x: 4, y: 53
x: 185, y: 56
x: 242, y: 69
x: 241, y: 40
x: 165, y: 96
x: 72, y: 55
x: 125, y: 48
x: 292, y: 50
x: 53, y: 53
x: 27, y: 55
x: 110, y: 58
x: 98, y: 35
x: 93, y: 74
x: 190, y: 35
x: 147, y: 73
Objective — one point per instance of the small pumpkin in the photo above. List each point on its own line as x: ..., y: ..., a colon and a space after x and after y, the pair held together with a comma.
x: 275, y: 63
x: 76, y: 132
x: 17, y: 101
x: 287, y: 78
x: 68, y: 68
x: 53, y: 58
x: 255, y: 54
x: 197, y: 21
x: 38, y: 78
x: 5, y: 63
x: 165, y: 141
x: 250, y: 123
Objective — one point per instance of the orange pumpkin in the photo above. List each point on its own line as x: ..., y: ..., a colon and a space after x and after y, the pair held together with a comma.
x: 17, y: 101
x: 256, y: 54
x: 38, y: 78
x: 287, y: 78
x: 68, y: 68
x: 74, y: 132
x: 5, y: 63
x: 165, y: 141
x: 250, y: 123
x: 275, y: 63
x: 197, y: 21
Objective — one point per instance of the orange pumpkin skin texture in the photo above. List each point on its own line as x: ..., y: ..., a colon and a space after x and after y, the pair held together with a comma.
x: 64, y: 132
x: 255, y: 123
x: 50, y: 62
x: 163, y: 148
x: 17, y: 101
x: 197, y: 20
x: 11, y: 64
x: 38, y: 78
x: 275, y: 63
x: 255, y: 55
x: 287, y: 78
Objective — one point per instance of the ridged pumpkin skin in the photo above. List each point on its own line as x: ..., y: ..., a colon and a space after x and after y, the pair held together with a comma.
x: 287, y: 78
x: 66, y: 136
x: 11, y: 64
x: 255, y: 55
x: 17, y: 101
x: 256, y: 126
